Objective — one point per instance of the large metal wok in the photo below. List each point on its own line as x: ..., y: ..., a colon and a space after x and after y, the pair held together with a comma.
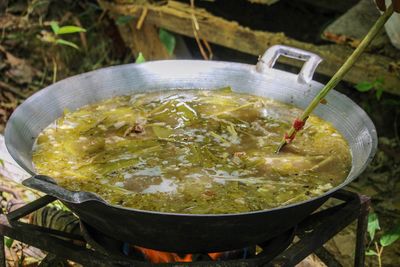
x: 187, y: 232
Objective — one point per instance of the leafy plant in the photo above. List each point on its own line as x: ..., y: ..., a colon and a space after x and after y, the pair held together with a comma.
x: 368, y: 86
x: 386, y: 238
x: 1, y: 163
x: 140, y: 58
x: 57, y: 31
x: 168, y: 40
x: 8, y: 241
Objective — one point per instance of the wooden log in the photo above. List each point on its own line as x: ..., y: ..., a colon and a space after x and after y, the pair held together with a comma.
x: 352, y: 26
x: 144, y: 40
x: 177, y: 17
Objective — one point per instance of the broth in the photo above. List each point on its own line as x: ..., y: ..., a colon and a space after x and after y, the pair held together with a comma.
x: 192, y: 151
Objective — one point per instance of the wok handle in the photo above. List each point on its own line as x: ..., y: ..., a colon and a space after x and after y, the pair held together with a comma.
x: 267, y: 61
x: 48, y: 186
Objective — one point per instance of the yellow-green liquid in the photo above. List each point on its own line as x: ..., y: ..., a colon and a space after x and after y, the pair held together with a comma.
x: 192, y: 151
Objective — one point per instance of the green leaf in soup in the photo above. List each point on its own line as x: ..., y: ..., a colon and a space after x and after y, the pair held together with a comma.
x: 364, y: 86
x: 117, y: 165
x: 391, y: 236
x: 186, y: 111
x: 162, y: 131
x: 168, y: 40
x: 174, y: 113
x: 70, y: 29
x: 201, y: 156
x: 373, y: 225
x: 226, y: 89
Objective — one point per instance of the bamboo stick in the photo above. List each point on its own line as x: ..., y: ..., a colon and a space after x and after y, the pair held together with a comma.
x: 299, y: 122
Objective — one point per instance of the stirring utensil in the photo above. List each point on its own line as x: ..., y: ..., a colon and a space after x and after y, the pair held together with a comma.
x: 298, y: 123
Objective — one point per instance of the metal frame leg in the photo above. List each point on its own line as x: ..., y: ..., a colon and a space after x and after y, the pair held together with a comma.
x: 362, y: 225
x: 2, y: 252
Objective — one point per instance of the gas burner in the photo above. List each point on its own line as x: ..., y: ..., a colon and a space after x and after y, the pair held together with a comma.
x: 312, y: 232
x: 267, y: 250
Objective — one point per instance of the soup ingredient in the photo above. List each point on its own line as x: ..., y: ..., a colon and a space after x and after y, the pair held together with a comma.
x: 191, y: 151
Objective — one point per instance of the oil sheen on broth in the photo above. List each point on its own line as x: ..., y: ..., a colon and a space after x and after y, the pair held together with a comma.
x: 192, y: 151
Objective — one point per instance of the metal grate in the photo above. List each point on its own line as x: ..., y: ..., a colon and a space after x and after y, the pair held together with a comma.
x: 313, y: 232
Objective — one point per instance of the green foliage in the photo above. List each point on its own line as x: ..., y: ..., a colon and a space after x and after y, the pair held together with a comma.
x: 70, y: 29
x: 1, y: 162
x: 168, y: 40
x: 390, y: 236
x: 8, y: 241
x: 54, y: 27
x: 67, y: 43
x: 364, y: 86
x: 373, y: 225
x: 386, y: 238
x: 57, y: 31
x: 368, y: 86
x: 121, y: 20
x: 65, y: 29
x: 371, y: 252
x: 140, y: 58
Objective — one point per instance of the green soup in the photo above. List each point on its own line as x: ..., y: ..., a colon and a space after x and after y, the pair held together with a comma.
x: 192, y: 151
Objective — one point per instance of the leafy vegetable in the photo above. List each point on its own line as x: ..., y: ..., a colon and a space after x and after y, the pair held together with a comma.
x: 169, y: 151
x: 162, y: 132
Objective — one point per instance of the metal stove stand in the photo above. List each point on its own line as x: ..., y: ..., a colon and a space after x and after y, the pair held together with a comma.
x: 313, y: 232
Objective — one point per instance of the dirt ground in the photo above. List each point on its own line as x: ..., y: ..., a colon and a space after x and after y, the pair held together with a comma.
x: 30, y: 60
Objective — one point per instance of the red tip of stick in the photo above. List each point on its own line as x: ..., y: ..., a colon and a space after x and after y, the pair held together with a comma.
x: 289, y: 138
x: 298, y: 124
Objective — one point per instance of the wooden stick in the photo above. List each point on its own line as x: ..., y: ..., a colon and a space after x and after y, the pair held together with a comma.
x: 141, y: 18
x: 299, y: 122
